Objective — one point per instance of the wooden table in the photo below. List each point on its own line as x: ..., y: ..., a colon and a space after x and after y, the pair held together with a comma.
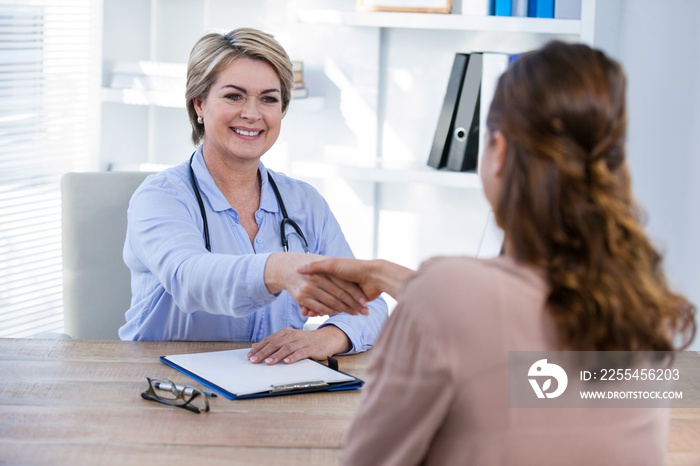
x: 78, y: 402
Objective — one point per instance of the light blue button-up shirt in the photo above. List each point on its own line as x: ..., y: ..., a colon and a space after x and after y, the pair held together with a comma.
x: 180, y: 291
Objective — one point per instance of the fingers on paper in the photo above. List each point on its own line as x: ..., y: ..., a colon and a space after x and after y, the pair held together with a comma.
x: 285, y: 344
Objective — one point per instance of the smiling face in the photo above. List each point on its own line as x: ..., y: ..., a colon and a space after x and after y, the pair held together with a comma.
x: 242, y: 113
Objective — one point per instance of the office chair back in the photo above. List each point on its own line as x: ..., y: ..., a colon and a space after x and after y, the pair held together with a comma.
x: 96, y: 282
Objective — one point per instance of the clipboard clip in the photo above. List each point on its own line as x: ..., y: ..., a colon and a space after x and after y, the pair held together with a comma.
x: 290, y: 387
x: 333, y: 363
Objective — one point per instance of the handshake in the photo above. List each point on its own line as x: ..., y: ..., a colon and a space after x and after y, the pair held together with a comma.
x: 350, y: 282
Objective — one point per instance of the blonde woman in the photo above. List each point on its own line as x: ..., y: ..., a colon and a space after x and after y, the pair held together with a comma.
x: 213, y: 243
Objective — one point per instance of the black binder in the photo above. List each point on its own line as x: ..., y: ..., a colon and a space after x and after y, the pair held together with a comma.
x: 445, y: 126
x: 464, y: 142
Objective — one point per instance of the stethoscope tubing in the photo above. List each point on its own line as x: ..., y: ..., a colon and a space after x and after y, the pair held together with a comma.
x: 285, y: 218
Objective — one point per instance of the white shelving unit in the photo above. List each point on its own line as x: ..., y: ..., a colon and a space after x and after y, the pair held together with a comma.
x: 489, y: 24
x: 581, y: 29
x: 387, y: 174
x: 503, y: 34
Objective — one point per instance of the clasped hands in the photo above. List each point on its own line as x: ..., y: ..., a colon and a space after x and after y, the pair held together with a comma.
x: 348, y: 281
x: 321, y: 287
x: 363, y: 280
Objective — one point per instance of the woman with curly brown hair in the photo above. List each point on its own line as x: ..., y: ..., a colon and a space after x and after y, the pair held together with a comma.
x: 577, y: 273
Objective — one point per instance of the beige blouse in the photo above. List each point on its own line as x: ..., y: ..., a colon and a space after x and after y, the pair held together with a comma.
x: 438, y: 395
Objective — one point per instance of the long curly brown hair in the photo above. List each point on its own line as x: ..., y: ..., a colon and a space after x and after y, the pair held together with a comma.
x: 567, y: 206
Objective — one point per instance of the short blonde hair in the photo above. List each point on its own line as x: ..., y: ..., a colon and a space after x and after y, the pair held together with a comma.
x: 214, y: 51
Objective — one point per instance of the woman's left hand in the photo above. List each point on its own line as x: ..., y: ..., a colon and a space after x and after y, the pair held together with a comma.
x: 290, y: 345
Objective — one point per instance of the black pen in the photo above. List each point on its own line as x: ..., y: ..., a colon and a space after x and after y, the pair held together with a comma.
x: 181, y: 388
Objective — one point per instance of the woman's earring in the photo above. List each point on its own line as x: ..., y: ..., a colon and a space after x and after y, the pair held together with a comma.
x: 199, y: 119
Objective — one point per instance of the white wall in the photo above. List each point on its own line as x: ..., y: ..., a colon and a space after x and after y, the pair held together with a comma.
x: 658, y: 43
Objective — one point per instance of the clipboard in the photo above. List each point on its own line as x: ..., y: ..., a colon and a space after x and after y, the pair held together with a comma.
x: 230, y: 374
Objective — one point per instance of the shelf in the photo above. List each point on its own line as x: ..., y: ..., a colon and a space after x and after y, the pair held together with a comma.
x: 144, y: 97
x: 436, y: 21
x: 307, y: 104
x: 404, y: 175
x: 504, y: 34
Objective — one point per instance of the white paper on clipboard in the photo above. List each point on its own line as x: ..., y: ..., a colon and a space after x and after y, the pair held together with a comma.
x: 232, y: 371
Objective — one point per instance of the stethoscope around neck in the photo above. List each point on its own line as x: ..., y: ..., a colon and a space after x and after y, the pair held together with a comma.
x: 283, y: 224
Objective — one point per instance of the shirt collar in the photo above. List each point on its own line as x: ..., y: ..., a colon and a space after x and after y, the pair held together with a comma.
x: 211, y: 192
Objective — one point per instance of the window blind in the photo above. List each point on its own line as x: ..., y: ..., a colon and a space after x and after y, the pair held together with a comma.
x: 50, y: 62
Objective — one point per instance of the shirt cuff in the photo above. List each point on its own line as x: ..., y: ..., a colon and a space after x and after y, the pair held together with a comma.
x: 255, y: 279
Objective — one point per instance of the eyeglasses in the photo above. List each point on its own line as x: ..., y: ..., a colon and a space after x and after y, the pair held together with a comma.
x: 166, y: 392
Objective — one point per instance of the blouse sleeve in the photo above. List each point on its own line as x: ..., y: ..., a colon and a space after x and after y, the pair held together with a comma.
x: 163, y: 239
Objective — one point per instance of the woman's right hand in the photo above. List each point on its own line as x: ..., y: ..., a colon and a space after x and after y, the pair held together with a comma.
x: 318, y: 294
x: 373, y: 277
x: 348, y: 270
